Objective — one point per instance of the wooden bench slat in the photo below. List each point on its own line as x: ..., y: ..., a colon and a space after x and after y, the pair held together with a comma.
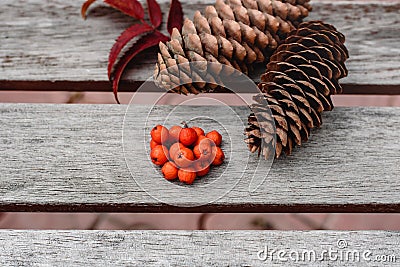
x: 47, y: 46
x: 198, y: 248
x: 70, y: 158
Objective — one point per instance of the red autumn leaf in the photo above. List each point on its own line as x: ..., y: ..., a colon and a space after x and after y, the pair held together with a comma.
x: 175, y: 16
x: 130, y: 7
x: 147, y: 41
x: 123, y: 39
x: 85, y: 7
x: 154, y: 13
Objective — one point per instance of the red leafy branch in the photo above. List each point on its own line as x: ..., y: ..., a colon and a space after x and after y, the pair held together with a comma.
x: 139, y: 36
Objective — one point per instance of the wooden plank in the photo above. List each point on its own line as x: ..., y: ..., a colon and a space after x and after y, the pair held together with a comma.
x: 47, y: 46
x: 199, y: 248
x: 71, y: 158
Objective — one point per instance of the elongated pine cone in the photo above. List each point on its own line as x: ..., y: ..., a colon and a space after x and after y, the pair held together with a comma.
x: 237, y: 33
x: 301, y: 76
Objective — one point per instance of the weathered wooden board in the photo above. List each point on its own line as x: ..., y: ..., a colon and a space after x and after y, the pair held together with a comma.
x: 45, y: 45
x: 70, y: 158
x: 198, y: 248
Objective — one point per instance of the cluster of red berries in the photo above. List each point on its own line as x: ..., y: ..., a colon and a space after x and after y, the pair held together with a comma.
x: 185, y: 152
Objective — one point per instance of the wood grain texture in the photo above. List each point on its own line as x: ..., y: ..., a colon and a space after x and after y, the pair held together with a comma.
x: 71, y: 158
x: 195, y: 248
x: 47, y: 46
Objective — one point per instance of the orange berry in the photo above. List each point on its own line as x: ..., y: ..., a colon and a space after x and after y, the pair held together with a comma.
x: 215, y: 137
x: 187, y: 136
x: 202, y: 168
x: 174, y: 133
x: 159, y: 134
x: 204, y: 149
x: 175, y: 148
x: 184, y: 157
x: 199, y: 139
x: 187, y: 176
x: 159, y: 155
x: 170, y: 171
x: 198, y: 130
x: 219, y: 156
x: 153, y: 144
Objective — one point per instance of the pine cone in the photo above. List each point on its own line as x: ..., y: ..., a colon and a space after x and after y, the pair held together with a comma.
x: 237, y: 33
x: 301, y: 76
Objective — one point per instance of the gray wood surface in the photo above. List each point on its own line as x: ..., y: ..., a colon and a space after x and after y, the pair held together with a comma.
x: 45, y: 45
x: 71, y: 158
x: 197, y: 248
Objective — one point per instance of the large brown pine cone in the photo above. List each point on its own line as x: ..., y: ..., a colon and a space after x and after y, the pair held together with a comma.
x: 237, y: 33
x: 301, y: 76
